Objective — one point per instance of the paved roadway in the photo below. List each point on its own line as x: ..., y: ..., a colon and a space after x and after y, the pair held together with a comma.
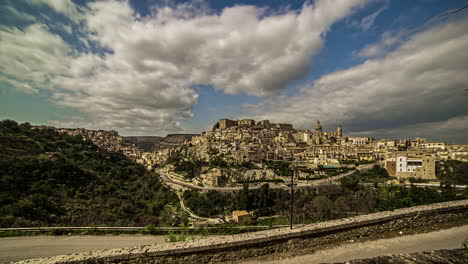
x: 444, y: 239
x: 25, y: 247
x: 194, y: 216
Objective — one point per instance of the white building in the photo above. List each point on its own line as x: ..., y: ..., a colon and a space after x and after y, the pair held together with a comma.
x: 433, y: 145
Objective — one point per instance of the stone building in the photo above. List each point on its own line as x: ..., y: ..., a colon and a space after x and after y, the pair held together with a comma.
x: 283, y: 126
x: 339, y: 131
x: 406, y: 165
x: 213, y: 177
x: 241, y: 216
x: 433, y: 145
x: 264, y: 124
x: 457, y: 152
x: 318, y: 126
x: 246, y: 122
x: 225, y: 123
x: 360, y: 141
x: 390, y: 166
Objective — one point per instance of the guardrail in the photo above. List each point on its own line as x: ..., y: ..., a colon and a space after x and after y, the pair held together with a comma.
x: 51, y: 228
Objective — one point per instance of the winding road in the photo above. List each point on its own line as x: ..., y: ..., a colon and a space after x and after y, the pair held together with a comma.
x: 332, y: 180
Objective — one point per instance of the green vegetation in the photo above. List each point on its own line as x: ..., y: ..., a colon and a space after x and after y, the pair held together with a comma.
x: 51, y: 179
x: 177, y: 237
x: 146, y: 143
x: 374, y: 175
x: 213, y: 203
x: 281, y: 168
x: 357, y: 162
x: 321, y: 203
x: 452, y: 172
x: 322, y: 173
x: 336, y: 171
x: 272, y: 221
x: 190, y: 169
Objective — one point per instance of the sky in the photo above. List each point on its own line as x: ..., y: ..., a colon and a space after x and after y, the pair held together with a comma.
x: 381, y: 68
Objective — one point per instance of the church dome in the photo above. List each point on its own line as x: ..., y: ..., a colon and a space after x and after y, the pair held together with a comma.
x: 318, y: 126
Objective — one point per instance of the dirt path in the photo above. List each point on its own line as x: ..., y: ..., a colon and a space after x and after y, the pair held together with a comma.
x: 443, y: 239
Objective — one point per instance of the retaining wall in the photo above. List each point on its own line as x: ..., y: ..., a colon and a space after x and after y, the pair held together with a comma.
x: 233, y: 248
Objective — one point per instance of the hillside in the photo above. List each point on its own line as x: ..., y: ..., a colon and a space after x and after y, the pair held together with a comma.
x: 47, y: 178
x: 150, y: 143
x: 174, y: 140
x: 146, y: 143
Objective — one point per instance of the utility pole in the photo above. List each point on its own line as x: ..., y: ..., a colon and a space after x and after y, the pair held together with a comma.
x: 292, y: 199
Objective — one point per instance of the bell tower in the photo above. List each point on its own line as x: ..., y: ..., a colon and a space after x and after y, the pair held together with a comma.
x: 318, y: 126
x: 339, y: 131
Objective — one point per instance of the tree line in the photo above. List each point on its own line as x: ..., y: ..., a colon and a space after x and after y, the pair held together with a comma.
x: 322, y: 203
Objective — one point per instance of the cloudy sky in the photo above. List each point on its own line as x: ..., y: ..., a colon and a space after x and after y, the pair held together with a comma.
x: 382, y: 68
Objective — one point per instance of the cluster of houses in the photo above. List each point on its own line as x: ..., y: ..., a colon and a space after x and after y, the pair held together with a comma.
x: 246, y: 140
x: 108, y: 140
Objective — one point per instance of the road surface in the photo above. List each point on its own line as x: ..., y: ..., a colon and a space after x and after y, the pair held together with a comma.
x: 25, y: 247
x: 193, y: 215
x: 444, y: 239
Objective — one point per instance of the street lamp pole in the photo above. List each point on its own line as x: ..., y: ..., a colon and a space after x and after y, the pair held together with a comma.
x: 292, y: 200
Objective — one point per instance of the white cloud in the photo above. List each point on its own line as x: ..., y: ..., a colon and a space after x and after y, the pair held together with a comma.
x: 422, y: 81
x: 386, y: 42
x: 240, y: 50
x: 369, y: 21
x: 143, y: 84
x: 31, y: 57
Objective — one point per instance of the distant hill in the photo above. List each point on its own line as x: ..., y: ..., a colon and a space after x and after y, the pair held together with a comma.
x: 146, y: 143
x: 154, y: 143
x: 48, y: 178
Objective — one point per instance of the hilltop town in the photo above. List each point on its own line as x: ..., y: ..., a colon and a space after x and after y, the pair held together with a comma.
x: 239, y: 151
x: 248, y: 151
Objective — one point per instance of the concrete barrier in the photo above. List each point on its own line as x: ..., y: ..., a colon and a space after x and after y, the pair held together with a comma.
x: 235, y: 247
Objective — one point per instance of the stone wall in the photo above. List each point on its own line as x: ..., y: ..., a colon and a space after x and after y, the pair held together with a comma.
x: 233, y: 248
